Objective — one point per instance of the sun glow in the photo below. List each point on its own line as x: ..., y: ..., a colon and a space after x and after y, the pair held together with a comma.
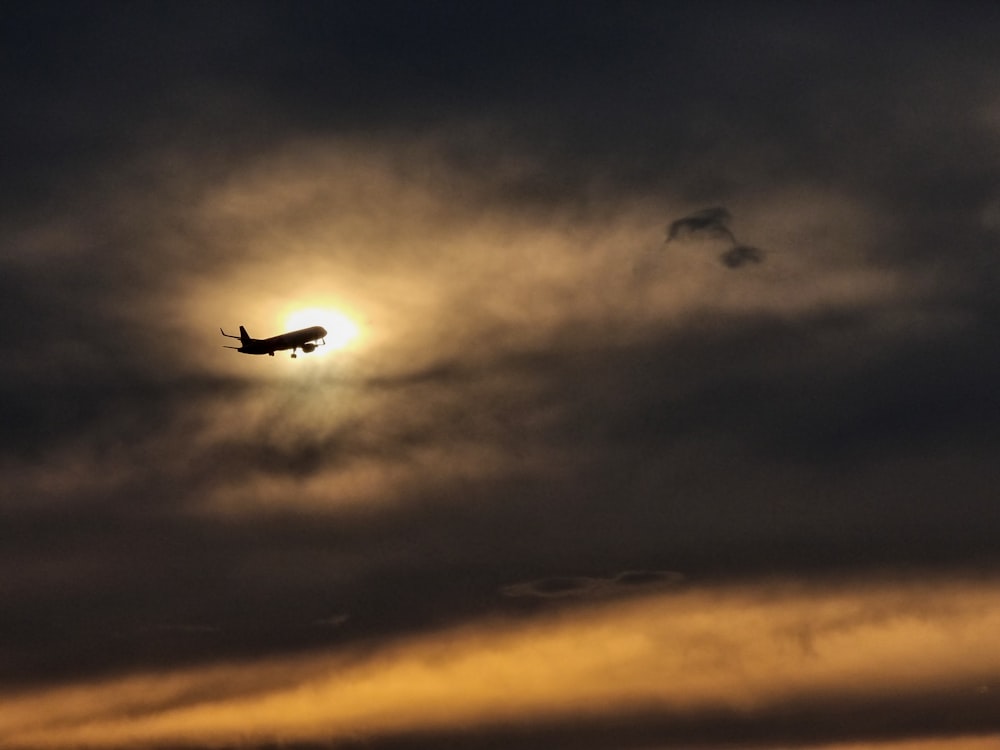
x: 341, y: 330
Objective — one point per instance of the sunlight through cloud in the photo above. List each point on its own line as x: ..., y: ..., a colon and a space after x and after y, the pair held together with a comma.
x: 341, y: 330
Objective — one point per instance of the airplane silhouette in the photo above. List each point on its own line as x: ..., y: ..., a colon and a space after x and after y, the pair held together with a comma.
x: 305, y: 339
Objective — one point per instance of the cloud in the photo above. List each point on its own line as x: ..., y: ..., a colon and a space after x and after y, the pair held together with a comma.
x: 333, y: 621
x: 740, y: 255
x: 512, y: 375
x: 710, y: 221
x: 580, y: 587
x: 831, y: 410
x: 714, y: 222
x: 775, y: 663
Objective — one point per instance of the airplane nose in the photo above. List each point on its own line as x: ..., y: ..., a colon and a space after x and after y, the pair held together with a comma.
x: 322, y: 331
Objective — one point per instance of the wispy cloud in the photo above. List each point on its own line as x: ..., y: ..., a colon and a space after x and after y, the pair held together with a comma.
x: 582, y: 587
x: 740, y: 255
x: 714, y: 222
x: 710, y: 221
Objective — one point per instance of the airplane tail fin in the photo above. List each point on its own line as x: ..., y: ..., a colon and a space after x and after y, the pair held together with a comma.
x: 244, y: 336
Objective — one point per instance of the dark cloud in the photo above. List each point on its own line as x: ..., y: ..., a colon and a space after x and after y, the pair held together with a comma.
x: 945, y: 715
x: 714, y: 222
x: 631, y: 581
x: 711, y: 221
x: 469, y: 177
x: 803, y: 453
x: 739, y: 255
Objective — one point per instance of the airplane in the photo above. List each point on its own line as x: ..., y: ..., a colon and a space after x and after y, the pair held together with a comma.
x: 305, y: 339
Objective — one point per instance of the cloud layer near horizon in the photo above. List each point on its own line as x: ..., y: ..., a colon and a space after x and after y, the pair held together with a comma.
x: 744, y: 655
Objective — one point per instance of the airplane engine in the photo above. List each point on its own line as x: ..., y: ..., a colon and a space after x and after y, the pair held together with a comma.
x: 307, y: 348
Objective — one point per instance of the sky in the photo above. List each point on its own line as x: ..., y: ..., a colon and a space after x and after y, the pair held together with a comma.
x: 664, y: 414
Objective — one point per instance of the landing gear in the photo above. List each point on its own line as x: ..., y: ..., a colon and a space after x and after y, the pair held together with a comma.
x: 294, y: 355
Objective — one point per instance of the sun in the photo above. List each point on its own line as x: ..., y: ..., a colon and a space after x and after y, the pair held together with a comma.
x: 340, y: 329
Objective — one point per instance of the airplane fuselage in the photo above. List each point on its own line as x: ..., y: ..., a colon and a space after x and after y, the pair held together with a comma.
x: 303, y: 339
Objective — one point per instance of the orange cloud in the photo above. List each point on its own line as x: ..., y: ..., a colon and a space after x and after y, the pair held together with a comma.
x: 746, y: 651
